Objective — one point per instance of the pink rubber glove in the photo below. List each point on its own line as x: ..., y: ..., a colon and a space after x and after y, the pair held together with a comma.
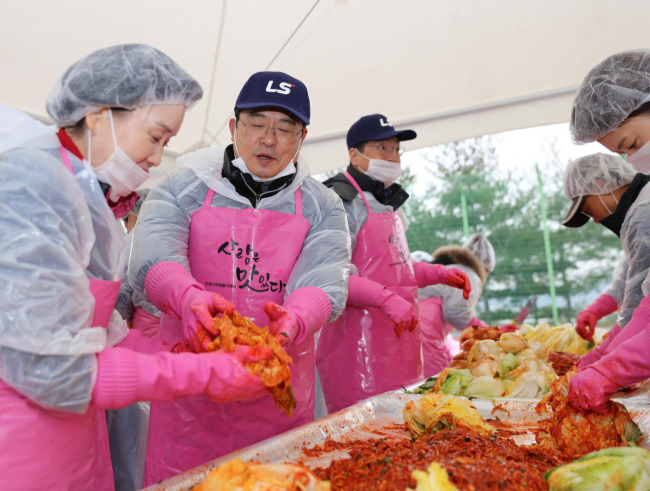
x: 365, y: 293
x: 638, y: 324
x: 138, y: 341
x: 590, y: 390
x: 124, y: 376
x: 173, y: 290
x: 304, y: 312
x: 589, y: 317
x: 434, y: 274
x: 599, y: 350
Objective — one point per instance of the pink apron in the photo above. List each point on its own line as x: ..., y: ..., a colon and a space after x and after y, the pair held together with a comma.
x: 358, y: 355
x: 247, y: 256
x: 56, y: 449
x: 145, y: 322
x: 434, y: 332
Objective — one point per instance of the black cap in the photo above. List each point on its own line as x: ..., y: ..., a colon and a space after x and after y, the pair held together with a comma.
x: 275, y: 89
x: 375, y: 127
x: 575, y: 218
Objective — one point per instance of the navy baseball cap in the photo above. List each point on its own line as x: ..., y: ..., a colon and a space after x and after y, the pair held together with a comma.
x: 375, y: 127
x: 275, y: 89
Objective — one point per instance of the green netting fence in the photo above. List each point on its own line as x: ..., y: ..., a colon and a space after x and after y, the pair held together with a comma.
x: 522, y: 214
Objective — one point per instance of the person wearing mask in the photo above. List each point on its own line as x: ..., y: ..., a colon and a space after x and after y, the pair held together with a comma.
x: 443, y: 308
x: 375, y: 345
x: 62, y: 261
x: 246, y: 222
x: 612, y: 107
x: 608, y: 189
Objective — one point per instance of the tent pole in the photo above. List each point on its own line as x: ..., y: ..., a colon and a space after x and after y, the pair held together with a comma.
x: 547, y: 245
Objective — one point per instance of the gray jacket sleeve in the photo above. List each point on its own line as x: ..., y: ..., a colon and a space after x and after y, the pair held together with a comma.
x: 163, y: 229
x: 616, y: 288
x: 124, y: 302
x: 637, y: 247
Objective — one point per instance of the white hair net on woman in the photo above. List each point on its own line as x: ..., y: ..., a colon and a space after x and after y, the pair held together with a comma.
x: 594, y: 174
x: 125, y: 76
x: 481, y: 247
x: 610, y: 92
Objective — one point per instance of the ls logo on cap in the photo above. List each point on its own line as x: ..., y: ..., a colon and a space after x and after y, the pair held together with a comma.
x: 285, y: 87
x: 385, y: 122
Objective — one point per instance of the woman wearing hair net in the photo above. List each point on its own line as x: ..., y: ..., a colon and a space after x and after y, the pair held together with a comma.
x: 609, y: 190
x: 612, y: 107
x: 443, y: 308
x: 62, y: 261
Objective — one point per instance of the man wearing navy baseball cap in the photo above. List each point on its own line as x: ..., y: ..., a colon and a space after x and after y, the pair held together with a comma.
x: 376, y: 345
x: 243, y: 226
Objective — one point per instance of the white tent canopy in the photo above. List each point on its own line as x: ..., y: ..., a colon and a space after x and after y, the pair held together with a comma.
x: 448, y: 69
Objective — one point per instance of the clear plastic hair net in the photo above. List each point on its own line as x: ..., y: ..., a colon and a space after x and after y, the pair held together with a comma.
x: 612, y: 90
x: 599, y: 173
x: 138, y: 204
x: 126, y: 76
x: 481, y: 247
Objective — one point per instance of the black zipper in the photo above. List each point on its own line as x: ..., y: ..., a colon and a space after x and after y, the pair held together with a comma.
x: 258, y: 197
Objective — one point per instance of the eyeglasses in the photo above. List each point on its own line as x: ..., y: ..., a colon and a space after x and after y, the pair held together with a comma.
x: 386, y: 150
x: 283, y: 132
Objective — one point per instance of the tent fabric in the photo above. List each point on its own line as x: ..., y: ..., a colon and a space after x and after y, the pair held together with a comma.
x: 448, y: 70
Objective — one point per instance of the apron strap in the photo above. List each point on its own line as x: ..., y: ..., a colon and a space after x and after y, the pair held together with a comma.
x: 356, y: 186
x: 298, y: 203
x: 208, y: 197
x: 66, y: 160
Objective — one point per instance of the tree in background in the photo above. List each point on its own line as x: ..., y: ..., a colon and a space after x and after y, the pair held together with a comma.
x: 506, y: 207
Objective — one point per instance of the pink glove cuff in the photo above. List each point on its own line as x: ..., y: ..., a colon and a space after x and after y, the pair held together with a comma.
x: 137, y: 341
x: 429, y: 274
x: 626, y: 363
x: 603, y: 305
x: 599, y: 350
x: 313, y: 308
x: 116, y: 364
x: 364, y: 293
x: 165, y: 285
x: 640, y: 322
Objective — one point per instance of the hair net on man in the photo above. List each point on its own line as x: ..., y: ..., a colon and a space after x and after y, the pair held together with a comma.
x: 613, y: 89
x: 125, y: 76
x: 481, y: 247
x: 599, y: 173
x: 592, y: 175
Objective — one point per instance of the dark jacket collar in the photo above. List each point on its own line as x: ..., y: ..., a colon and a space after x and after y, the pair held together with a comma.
x: 614, y: 222
x: 393, y: 195
x: 254, y: 191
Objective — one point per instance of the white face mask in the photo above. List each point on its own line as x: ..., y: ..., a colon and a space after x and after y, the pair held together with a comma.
x: 241, y: 165
x: 641, y: 159
x: 383, y: 170
x: 120, y: 171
